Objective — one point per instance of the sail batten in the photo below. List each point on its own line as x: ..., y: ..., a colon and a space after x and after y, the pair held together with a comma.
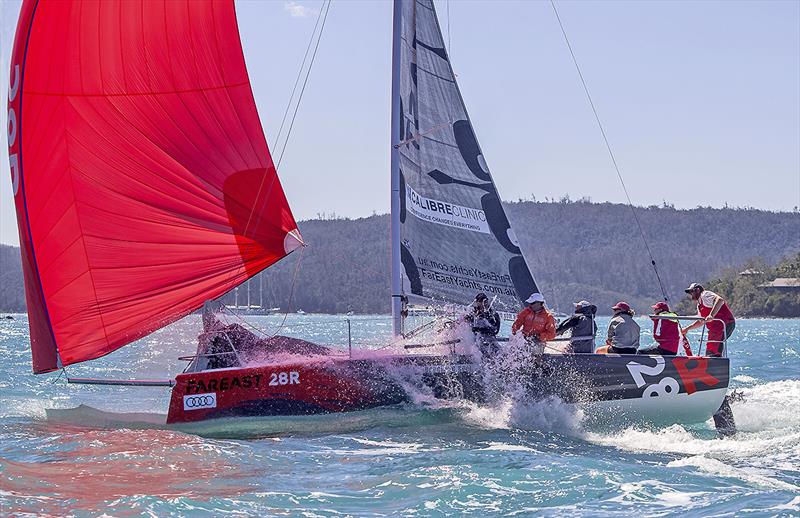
x: 455, y: 238
x: 145, y: 184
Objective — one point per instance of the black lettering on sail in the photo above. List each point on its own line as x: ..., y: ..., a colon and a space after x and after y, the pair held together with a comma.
x: 468, y: 146
x: 412, y: 272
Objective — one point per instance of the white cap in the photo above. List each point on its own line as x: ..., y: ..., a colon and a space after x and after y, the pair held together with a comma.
x: 583, y: 304
x: 535, y: 297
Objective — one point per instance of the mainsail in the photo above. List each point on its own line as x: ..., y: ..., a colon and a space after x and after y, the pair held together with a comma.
x: 454, y: 237
x: 142, y: 179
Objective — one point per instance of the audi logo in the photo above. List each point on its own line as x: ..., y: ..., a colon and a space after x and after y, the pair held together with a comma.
x: 198, y: 401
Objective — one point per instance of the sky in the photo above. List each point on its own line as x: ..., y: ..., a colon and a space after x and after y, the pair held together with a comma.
x: 700, y: 100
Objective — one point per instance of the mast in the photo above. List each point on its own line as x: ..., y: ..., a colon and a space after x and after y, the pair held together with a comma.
x: 397, y: 319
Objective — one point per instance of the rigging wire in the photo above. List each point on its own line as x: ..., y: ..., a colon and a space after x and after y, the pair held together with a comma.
x: 63, y: 371
x: 288, y: 305
x: 297, y: 81
x: 297, y: 106
x: 447, y: 3
x: 327, y: 8
x: 320, y: 17
x: 610, y: 152
x: 291, y: 289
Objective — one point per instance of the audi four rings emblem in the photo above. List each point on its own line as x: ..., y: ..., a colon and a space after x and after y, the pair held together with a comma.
x: 198, y: 401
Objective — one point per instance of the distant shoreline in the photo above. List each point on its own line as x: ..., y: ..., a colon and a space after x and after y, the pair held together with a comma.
x: 388, y: 317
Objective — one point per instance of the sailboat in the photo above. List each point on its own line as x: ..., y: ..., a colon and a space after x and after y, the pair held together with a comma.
x: 144, y: 189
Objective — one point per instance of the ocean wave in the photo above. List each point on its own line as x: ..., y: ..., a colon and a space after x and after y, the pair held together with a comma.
x: 750, y: 475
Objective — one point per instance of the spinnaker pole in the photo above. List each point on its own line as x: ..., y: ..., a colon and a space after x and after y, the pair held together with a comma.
x: 397, y: 319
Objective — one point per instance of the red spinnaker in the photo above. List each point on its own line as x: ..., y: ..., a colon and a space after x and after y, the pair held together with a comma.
x: 143, y: 182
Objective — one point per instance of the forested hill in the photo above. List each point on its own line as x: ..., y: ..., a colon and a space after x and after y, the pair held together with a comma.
x: 576, y: 250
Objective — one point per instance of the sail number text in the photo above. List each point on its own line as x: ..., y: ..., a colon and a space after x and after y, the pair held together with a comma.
x: 666, y: 386
x: 13, y: 156
x: 284, y: 378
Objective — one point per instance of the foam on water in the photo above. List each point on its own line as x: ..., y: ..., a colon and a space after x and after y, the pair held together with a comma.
x: 762, y: 454
x: 792, y: 505
x: 766, y: 418
x: 754, y: 476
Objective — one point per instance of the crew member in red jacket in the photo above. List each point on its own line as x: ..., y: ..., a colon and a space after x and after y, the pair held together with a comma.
x: 717, y: 317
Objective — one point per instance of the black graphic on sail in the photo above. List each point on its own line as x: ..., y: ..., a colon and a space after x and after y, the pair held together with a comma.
x: 455, y: 237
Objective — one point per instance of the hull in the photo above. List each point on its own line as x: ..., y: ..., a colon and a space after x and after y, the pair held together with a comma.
x: 651, y: 388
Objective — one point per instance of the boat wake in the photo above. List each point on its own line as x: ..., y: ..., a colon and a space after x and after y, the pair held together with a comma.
x: 549, y: 415
x: 765, y: 453
x: 90, y: 417
x: 256, y: 427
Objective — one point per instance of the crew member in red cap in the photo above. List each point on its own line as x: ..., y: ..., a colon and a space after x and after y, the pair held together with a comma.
x: 666, y: 331
x: 623, y: 331
x: 717, y: 316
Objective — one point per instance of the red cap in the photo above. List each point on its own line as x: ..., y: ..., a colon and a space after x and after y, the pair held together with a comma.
x: 660, y: 306
x: 622, y: 306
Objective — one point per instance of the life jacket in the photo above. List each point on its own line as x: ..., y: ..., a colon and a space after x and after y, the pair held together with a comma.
x: 667, y: 332
x: 540, y: 324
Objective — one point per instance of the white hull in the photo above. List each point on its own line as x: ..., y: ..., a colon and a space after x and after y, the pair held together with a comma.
x: 678, y: 408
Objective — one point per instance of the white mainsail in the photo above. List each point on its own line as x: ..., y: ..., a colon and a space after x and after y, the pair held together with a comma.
x: 451, y: 236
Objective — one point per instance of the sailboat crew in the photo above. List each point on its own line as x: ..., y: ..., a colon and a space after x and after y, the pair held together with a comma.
x: 666, y: 331
x: 537, y: 324
x: 623, y: 331
x: 485, y: 323
x: 718, y: 318
x: 583, y: 328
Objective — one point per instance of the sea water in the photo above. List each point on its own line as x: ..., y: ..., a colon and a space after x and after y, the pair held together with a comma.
x: 107, y: 451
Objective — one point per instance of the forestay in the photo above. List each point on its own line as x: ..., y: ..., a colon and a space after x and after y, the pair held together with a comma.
x: 142, y: 179
x: 455, y: 237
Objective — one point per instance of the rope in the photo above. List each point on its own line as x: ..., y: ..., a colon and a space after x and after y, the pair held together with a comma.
x: 611, y: 153
x: 63, y: 371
